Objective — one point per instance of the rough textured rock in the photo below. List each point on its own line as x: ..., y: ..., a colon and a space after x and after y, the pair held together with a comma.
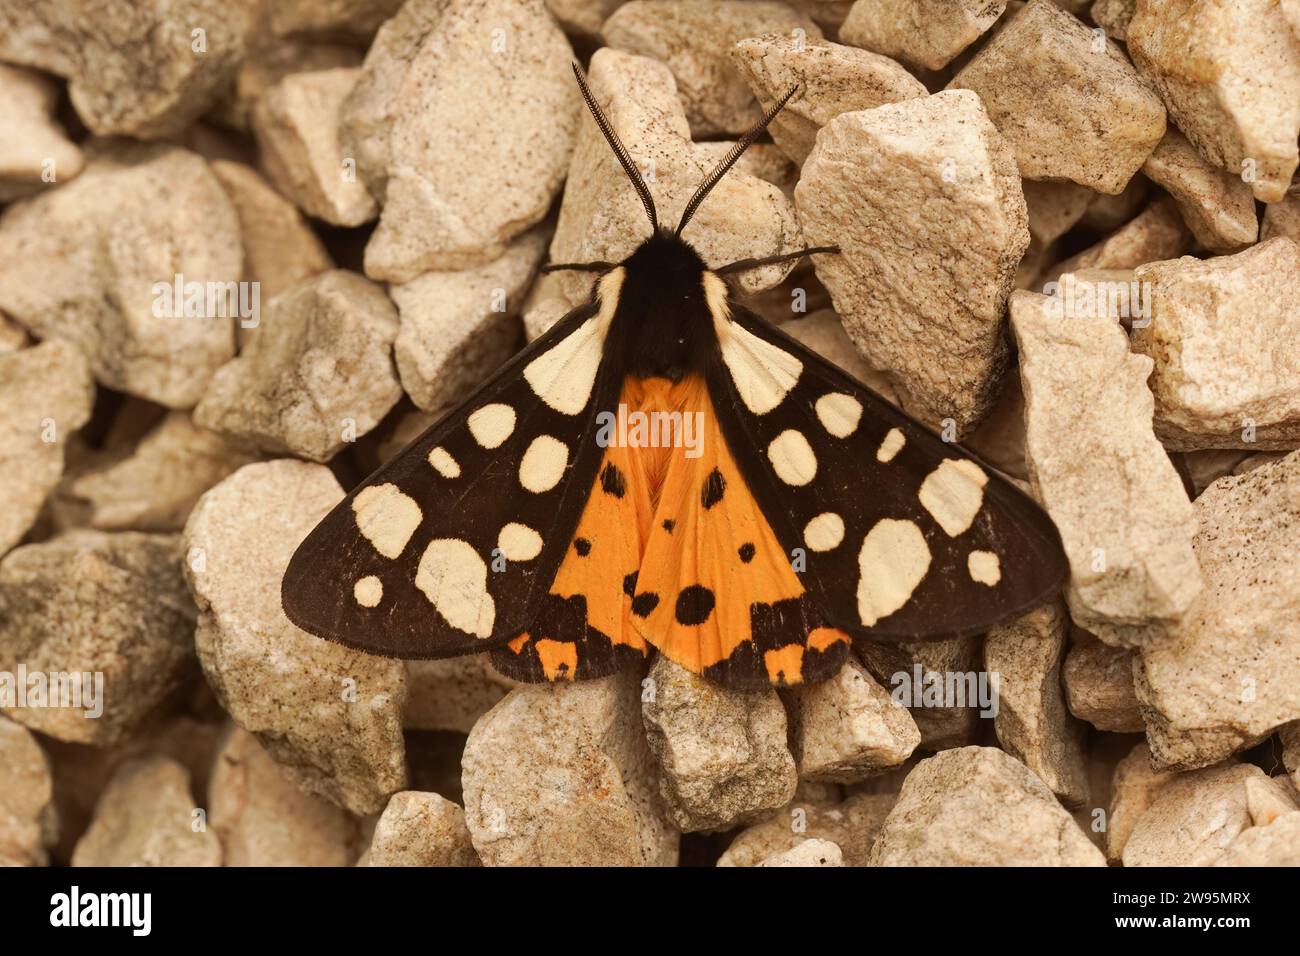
x: 807, y: 853
x: 1196, y: 816
x: 923, y: 199
x: 318, y: 376
x: 87, y: 603
x: 1054, y: 208
x: 1220, y: 336
x: 1290, y: 737
x: 896, y: 666
x: 1067, y: 109
x: 1096, y: 467
x: 455, y: 188
x: 331, y: 717
x: 851, y: 825
x: 848, y: 728
x: 723, y: 758
x: 823, y: 332
x: 1098, y: 683
x: 1282, y: 218
x: 344, y: 18
x: 45, y: 395
x: 146, y: 817
x: 1113, y: 16
x: 1217, y: 206
x: 28, y: 820
x: 154, y: 487
x: 923, y: 33
x: 297, y: 131
x: 95, y: 262
x: 458, y: 327
x: 694, y: 37
x: 832, y: 79
x: 1154, y: 234
x: 1000, y: 439
x: 268, y: 62
x: 561, y: 775
x: 1032, y: 721
x: 262, y: 819
x: 1230, y: 674
x: 420, y: 829
x: 279, y: 248
x: 602, y: 219
x: 1134, y: 788
x: 1230, y: 75
x: 451, y: 694
x: 142, y: 68
x: 583, y: 17
x: 34, y: 153
x: 1277, y: 844
x: 978, y: 806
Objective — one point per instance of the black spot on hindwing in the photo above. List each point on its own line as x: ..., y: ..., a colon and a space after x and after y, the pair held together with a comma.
x: 612, y: 481
x: 643, y: 604
x: 582, y: 546
x: 694, y: 605
x: 714, y: 487
x: 746, y: 552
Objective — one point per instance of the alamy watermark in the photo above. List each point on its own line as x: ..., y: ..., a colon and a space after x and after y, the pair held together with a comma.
x: 629, y: 429
x: 71, y: 690
x: 922, y: 688
x: 1076, y: 297
x: 191, y: 299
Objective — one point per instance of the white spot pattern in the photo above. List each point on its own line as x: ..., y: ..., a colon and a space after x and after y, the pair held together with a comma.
x: 386, y: 518
x: 454, y: 579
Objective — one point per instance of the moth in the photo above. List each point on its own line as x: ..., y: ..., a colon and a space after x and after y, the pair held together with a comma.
x: 665, y: 470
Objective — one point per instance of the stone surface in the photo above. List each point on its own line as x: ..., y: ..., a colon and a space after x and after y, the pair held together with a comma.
x: 1217, y: 206
x: 146, y: 817
x: 317, y: 376
x: 28, y: 819
x: 1113, y: 16
x: 978, y: 806
x: 1134, y: 788
x: 35, y: 153
x: 1277, y: 844
x: 96, y: 262
x: 262, y: 819
x: 1054, y: 208
x: 270, y: 60
x: 45, y: 395
x: 1098, y: 683
x: 601, y: 217
x: 1196, y: 816
x: 722, y: 753
x: 420, y: 829
x: 451, y: 694
x: 1290, y: 737
x: 297, y: 131
x: 87, y: 603
x: 1230, y: 75
x: 1106, y: 213
x: 330, y: 716
x: 848, y: 728
x: 154, y: 487
x: 457, y: 188
x: 1230, y: 673
x: 922, y: 33
x: 345, y: 18
x: 832, y: 79
x: 1220, y: 335
x: 141, y: 68
x: 583, y: 17
x: 1096, y: 467
x: 1069, y: 108
x: 459, y: 327
x: 807, y: 853
x: 895, y: 666
x: 1154, y: 234
x: 823, y: 332
x: 923, y: 199
x: 561, y: 775
x: 1282, y: 218
x: 1032, y: 722
x: 851, y: 825
x: 694, y: 38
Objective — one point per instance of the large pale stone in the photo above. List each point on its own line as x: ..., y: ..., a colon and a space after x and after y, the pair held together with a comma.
x: 95, y: 262
x: 330, y: 716
x: 1067, y: 100
x: 922, y: 33
x: 1229, y: 71
x: 1098, y: 683
x: 561, y: 775
x: 28, y: 818
x: 420, y: 829
x: 1217, y: 206
x: 851, y: 825
x: 1097, y: 468
x: 1134, y: 787
x: 1222, y: 335
x: 34, y: 154
x: 1154, y: 234
x: 1277, y: 844
x: 694, y: 37
x: 1229, y: 675
x: 923, y: 199
x: 807, y: 853
x: 978, y: 806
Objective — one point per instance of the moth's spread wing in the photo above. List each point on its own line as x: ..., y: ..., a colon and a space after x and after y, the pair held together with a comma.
x: 716, y: 592
x: 450, y: 547
x: 906, y: 536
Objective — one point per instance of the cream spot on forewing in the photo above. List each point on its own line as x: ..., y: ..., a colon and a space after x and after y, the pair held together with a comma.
x: 763, y: 373
x: 984, y: 567
x: 368, y: 591
x: 454, y: 579
x: 839, y: 414
x: 892, y: 562
x: 543, y: 464
x: 492, y: 424
x: 443, y: 463
x: 518, y: 542
x: 890, y: 446
x: 953, y: 494
x: 792, y: 458
x: 564, y: 375
x: 825, y: 532
x: 386, y: 517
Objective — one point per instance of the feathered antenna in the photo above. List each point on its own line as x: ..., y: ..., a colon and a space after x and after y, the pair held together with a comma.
x: 620, y: 151
x: 729, y: 160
